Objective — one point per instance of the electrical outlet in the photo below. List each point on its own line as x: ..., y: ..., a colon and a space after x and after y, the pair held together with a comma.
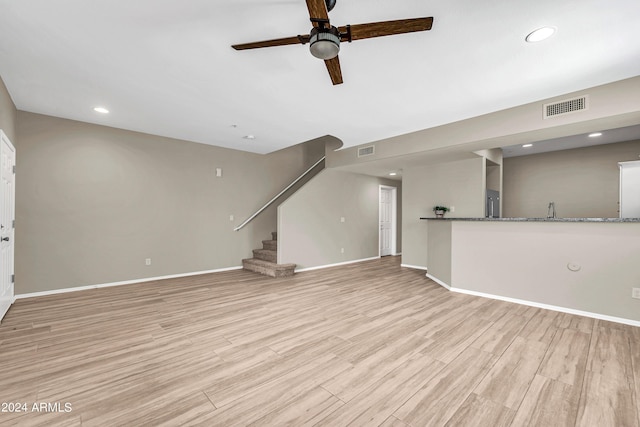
x: 230, y: 217
x: 635, y: 293
x: 452, y: 209
x: 341, y: 250
x: 147, y: 261
x: 341, y: 219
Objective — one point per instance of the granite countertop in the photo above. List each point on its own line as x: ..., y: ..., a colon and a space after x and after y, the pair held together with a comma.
x: 539, y: 219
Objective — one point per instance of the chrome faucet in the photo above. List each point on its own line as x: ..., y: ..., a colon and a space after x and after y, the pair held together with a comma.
x: 551, y: 212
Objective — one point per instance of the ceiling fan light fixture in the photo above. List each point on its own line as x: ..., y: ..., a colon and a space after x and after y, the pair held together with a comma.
x: 324, y: 42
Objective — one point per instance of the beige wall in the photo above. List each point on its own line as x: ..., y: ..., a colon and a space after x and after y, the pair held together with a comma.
x: 93, y: 202
x: 610, y: 106
x: 583, y: 182
x: 310, y: 233
x: 528, y: 261
x: 459, y: 184
x: 494, y: 177
x: 7, y: 113
x: 439, y: 249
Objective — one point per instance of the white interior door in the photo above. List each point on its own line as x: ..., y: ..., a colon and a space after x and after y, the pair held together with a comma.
x: 386, y: 220
x: 630, y: 189
x: 7, y: 216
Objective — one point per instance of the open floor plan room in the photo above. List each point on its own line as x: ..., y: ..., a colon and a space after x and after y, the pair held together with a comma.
x: 370, y: 343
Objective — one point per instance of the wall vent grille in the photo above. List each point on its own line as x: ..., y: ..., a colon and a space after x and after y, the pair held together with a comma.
x: 366, y: 151
x: 565, y: 107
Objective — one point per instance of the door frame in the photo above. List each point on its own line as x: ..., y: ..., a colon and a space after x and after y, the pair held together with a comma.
x: 628, y: 180
x: 11, y: 223
x: 394, y: 218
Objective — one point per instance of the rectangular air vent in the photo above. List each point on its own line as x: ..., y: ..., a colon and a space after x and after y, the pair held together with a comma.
x: 366, y: 151
x: 565, y: 107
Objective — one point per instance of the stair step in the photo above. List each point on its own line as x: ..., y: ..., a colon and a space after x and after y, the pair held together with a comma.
x: 265, y: 255
x: 270, y: 245
x: 268, y: 268
x: 274, y: 235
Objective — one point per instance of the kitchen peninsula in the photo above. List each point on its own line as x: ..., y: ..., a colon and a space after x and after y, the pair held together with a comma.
x: 584, y: 266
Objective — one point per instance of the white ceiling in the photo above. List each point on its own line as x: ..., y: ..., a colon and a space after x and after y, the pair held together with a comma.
x: 609, y: 136
x: 166, y: 66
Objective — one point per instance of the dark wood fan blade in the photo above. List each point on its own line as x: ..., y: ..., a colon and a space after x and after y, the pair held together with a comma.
x: 387, y: 28
x: 333, y: 67
x: 317, y: 10
x: 270, y: 43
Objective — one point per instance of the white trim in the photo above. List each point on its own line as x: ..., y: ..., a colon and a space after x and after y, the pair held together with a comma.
x: 394, y: 217
x: 550, y: 307
x: 539, y: 305
x: 335, y: 265
x: 126, y: 282
x: 439, y: 282
x: 9, y: 297
x: 623, y: 185
x: 417, y: 267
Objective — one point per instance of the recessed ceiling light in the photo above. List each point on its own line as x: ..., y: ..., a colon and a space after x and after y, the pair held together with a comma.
x: 527, y: 145
x: 595, y: 134
x: 249, y: 137
x: 392, y: 174
x: 540, y: 34
x: 101, y: 110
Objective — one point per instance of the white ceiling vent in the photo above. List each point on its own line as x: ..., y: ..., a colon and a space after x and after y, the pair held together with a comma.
x: 366, y: 151
x: 565, y: 107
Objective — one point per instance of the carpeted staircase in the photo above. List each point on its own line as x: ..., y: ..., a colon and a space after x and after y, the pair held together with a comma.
x: 265, y: 260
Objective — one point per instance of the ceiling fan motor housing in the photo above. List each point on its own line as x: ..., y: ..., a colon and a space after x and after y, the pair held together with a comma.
x: 324, y: 42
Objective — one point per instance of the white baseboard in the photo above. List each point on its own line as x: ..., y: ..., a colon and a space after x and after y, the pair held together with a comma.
x: 551, y: 307
x: 439, y: 282
x: 336, y: 264
x: 538, y: 304
x: 126, y: 282
x: 417, y: 267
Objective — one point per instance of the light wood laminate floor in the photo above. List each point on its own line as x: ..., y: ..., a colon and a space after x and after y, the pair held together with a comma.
x: 368, y: 344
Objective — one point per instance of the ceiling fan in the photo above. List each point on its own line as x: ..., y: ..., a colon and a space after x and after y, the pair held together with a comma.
x: 324, y: 39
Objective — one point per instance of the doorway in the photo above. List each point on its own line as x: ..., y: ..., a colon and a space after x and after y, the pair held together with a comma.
x: 629, y: 189
x: 7, y: 222
x: 387, y: 220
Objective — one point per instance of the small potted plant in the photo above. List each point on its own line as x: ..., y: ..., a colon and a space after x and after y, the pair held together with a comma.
x: 440, y: 210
